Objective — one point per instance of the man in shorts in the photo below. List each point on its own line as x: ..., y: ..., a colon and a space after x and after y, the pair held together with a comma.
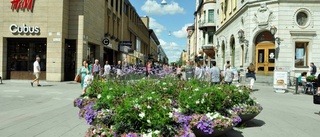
x: 36, y: 71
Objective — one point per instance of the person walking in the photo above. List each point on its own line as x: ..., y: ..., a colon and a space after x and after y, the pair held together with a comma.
x: 199, y: 72
x: 36, y: 71
x: 215, y: 74
x: 107, y: 69
x: 225, y: 65
x: 96, y: 68
x: 179, y: 73
x: 148, y: 69
x: 228, y: 75
x: 83, y: 72
x: 313, y: 69
x: 250, y: 73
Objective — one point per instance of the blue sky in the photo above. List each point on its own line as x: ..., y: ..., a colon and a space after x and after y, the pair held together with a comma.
x: 172, y: 18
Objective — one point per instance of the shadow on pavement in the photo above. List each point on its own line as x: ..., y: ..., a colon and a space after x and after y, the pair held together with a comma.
x: 252, y: 123
x: 72, y: 83
x: 318, y: 113
x: 47, y: 85
x: 232, y: 133
x: 255, y: 90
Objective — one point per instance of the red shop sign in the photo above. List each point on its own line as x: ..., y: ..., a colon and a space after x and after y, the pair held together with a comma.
x: 22, y: 4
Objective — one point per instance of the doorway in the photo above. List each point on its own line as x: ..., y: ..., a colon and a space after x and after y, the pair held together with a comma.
x: 69, y: 60
x: 265, y: 58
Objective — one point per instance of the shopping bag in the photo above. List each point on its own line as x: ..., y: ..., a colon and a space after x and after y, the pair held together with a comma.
x: 77, y: 78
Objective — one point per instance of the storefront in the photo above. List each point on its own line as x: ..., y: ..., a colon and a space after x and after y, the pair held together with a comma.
x: 21, y: 54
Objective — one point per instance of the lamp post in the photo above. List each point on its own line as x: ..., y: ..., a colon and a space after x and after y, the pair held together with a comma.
x: 273, y: 31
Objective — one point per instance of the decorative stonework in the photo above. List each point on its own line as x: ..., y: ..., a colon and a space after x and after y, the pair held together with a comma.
x: 263, y: 16
x: 303, y: 18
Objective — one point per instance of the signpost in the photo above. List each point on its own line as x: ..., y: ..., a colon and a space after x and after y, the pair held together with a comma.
x: 105, y: 41
x: 280, y: 81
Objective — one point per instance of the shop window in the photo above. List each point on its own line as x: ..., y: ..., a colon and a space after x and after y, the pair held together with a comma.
x: 301, y: 54
x: 23, y: 52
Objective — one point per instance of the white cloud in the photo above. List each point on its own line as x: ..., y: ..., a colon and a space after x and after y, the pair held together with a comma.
x: 172, y: 50
x: 182, y: 33
x: 153, y: 7
x: 157, y: 28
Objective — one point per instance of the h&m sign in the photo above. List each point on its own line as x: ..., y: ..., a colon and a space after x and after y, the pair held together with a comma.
x: 22, y: 4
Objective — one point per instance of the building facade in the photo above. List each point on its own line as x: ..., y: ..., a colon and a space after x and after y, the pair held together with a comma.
x: 272, y: 34
x: 64, y: 33
x: 201, y: 35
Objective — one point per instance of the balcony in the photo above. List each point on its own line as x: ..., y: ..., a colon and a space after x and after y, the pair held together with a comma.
x: 204, y: 24
x: 209, y: 50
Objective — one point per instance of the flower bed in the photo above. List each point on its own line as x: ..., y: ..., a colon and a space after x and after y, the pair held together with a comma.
x: 161, y: 107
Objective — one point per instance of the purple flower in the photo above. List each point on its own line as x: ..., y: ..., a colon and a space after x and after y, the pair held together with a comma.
x: 206, y: 126
x: 78, y: 102
x: 90, y: 114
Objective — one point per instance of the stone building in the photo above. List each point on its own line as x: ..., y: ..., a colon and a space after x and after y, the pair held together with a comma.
x: 64, y: 33
x: 275, y: 35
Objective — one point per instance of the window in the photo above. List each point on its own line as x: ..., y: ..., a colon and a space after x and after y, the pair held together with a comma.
x: 120, y: 7
x: 211, y: 16
x: 138, y: 45
x: 302, y: 18
x: 210, y: 37
x: 117, y: 4
x: 301, y: 54
x: 204, y: 16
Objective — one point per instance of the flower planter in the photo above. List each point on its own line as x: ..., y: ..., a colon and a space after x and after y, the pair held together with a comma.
x: 247, y: 117
x: 215, y: 133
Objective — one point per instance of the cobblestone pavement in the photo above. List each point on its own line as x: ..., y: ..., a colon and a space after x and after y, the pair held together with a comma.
x: 48, y: 111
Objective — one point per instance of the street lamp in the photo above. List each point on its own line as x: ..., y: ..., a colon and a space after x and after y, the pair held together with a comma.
x: 273, y: 30
x: 163, y: 2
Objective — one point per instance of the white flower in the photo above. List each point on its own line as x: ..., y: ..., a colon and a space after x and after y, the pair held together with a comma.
x: 209, y: 116
x: 189, y: 96
x: 170, y: 101
x: 137, y: 106
x: 141, y: 114
x: 148, y: 121
x: 148, y: 107
x: 149, y: 98
x: 85, y: 97
x: 187, y: 106
x: 240, y: 91
x: 164, y: 83
x: 202, y: 100
x: 170, y: 115
x: 177, y: 110
x: 157, y: 132
x: 99, y: 96
x: 216, y: 115
x: 196, y: 89
x: 164, y: 88
x: 164, y: 107
x: 108, y: 97
x: 153, y: 92
x: 197, y: 102
x: 110, y: 88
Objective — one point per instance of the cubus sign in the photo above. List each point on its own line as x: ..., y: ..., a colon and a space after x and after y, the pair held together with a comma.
x: 22, y: 4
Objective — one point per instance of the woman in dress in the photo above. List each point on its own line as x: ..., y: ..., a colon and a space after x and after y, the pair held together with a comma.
x: 83, y: 71
x: 250, y: 73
